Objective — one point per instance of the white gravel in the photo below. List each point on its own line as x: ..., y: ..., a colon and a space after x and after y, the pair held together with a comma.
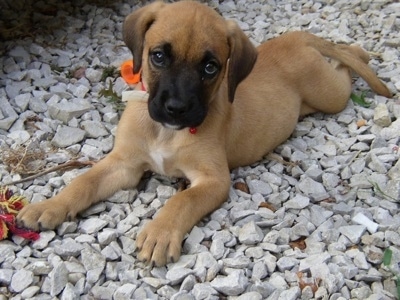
x: 341, y: 195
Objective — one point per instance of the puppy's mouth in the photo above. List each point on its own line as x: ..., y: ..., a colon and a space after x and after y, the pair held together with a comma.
x: 176, y: 124
x: 190, y: 118
x: 173, y: 127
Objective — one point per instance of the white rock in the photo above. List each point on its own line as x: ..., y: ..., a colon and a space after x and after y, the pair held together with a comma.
x: 291, y: 294
x: 278, y: 281
x: 353, y: 232
x: 67, y: 136
x: 192, y: 243
x: 361, y: 219
x: 58, y: 279
x: 205, y: 260
x: 313, y: 260
x: 94, y: 129
x: 165, y: 192
x: 124, y: 292
x: 68, y: 247
x: 311, y: 187
x: 392, y: 131
x: 43, y: 241
x: 177, y: 275
x: 259, y: 186
x: 69, y: 292
x: 19, y: 136
x: 6, y: 275
x: 93, y: 75
x: 30, y: 292
x: 21, y: 280
x: 217, y: 248
x: 22, y: 101
x: 232, y: 285
x: 66, y: 110
x: 394, y: 172
x: 259, y: 271
x: 250, y: 234
x: 186, y: 261
x: 298, y: 202
x: 286, y: 263
x: 92, y: 225
x: 250, y: 296
x: 94, y: 264
x: 204, y: 291
x: 7, y: 114
x: 239, y: 262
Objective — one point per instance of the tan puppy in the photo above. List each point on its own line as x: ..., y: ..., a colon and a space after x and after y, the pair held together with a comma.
x: 192, y: 62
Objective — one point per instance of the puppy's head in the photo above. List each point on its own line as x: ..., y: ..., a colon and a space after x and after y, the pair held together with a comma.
x: 183, y: 50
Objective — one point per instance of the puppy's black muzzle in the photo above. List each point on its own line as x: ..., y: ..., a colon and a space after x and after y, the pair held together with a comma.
x: 177, y: 101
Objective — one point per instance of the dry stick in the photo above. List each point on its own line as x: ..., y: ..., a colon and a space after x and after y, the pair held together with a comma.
x: 279, y: 159
x: 70, y: 164
x: 22, y: 159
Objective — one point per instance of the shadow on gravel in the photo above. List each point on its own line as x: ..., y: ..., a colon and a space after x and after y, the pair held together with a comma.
x: 27, y: 18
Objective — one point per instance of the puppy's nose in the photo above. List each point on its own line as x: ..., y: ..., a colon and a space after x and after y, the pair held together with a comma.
x: 175, y: 107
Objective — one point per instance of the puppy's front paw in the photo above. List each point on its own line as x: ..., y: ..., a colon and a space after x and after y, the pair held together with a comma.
x: 42, y: 215
x: 159, y: 243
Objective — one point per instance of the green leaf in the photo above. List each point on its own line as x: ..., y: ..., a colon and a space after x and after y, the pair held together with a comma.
x: 398, y: 287
x: 387, y: 257
x: 112, y: 97
x: 360, y: 100
x: 110, y: 71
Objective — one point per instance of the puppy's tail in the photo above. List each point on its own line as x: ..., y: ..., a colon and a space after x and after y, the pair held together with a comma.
x: 353, y: 57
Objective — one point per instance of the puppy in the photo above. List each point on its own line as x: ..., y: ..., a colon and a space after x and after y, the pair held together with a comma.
x: 214, y: 102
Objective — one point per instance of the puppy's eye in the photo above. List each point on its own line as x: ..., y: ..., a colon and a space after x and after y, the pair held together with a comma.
x: 211, y: 69
x: 158, y: 58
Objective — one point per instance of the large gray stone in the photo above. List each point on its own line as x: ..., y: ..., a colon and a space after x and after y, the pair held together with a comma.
x: 66, y: 110
x: 21, y: 280
x: 67, y: 136
x: 232, y: 285
x: 7, y: 114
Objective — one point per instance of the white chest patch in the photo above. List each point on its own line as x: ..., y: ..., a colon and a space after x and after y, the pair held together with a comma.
x: 159, y: 156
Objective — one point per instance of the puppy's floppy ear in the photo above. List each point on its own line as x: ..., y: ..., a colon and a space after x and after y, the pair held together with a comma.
x: 135, y: 27
x: 243, y: 55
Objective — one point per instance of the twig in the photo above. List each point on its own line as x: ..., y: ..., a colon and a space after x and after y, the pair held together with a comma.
x: 70, y: 164
x: 279, y: 159
x: 23, y: 157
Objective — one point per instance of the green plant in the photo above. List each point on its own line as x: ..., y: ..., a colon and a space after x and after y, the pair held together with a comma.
x: 112, y: 97
x: 56, y: 69
x: 387, y: 260
x: 378, y: 190
x: 360, y: 100
x: 109, y: 71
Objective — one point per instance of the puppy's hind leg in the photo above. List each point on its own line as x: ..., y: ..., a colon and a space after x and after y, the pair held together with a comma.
x: 101, y: 181
x: 327, y: 86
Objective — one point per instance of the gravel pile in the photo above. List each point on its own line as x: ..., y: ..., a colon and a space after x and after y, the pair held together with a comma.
x: 312, y: 221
